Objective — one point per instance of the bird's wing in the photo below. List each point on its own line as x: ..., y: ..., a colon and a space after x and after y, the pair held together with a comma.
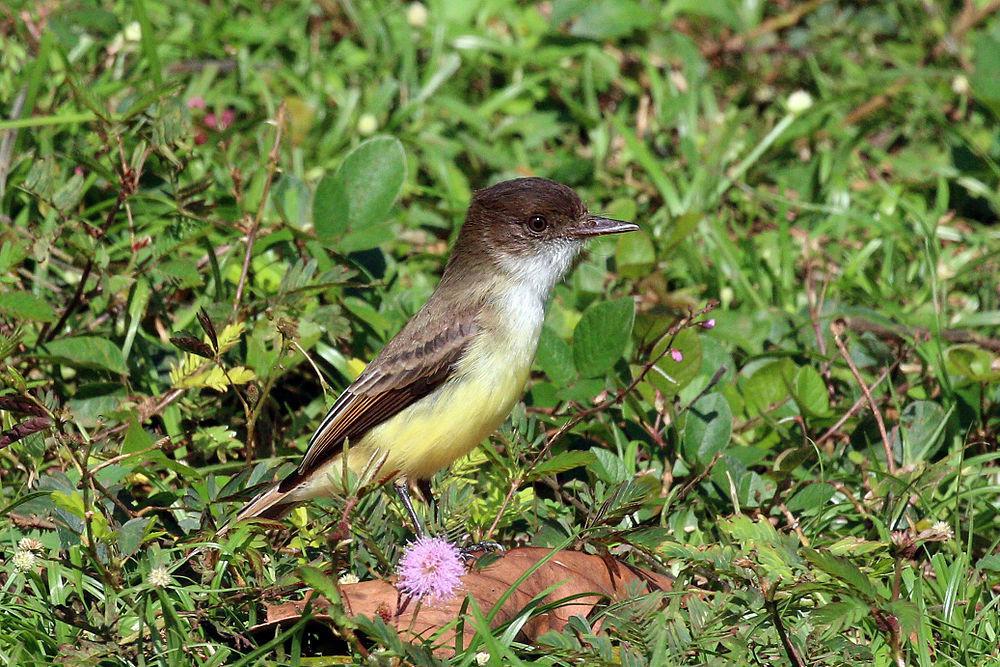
x: 418, y: 360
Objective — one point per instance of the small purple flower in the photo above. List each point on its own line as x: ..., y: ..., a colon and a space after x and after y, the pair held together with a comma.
x: 677, y: 355
x: 708, y: 324
x: 431, y: 568
x: 196, y: 102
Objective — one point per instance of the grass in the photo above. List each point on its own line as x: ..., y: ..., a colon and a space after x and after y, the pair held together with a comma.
x: 817, y: 471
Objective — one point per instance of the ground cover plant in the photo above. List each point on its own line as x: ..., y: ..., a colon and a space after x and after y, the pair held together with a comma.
x: 781, y: 394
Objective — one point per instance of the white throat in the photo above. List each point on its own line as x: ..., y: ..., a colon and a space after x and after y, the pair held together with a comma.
x: 527, y: 282
x: 536, y: 274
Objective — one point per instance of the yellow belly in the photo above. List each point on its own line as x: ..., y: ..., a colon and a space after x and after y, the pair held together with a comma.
x: 444, y: 425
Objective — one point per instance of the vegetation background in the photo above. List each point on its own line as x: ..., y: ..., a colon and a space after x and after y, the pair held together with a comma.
x: 818, y: 471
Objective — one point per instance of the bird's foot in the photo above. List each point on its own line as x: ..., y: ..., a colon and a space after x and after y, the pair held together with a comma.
x: 474, y: 551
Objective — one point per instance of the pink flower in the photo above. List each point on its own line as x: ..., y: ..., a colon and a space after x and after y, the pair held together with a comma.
x: 196, y: 102
x: 430, y: 568
x: 221, y: 122
x: 677, y: 355
x: 708, y: 324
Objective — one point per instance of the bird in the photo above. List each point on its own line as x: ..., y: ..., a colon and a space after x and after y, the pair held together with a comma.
x: 453, y: 373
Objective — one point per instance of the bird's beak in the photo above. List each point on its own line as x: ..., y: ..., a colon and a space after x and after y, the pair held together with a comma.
x: 595, y: 225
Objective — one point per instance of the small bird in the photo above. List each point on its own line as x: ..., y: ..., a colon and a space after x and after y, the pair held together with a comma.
x: 450, y: 377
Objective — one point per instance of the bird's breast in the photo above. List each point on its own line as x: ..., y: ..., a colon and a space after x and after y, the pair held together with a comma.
x: 487, y: 381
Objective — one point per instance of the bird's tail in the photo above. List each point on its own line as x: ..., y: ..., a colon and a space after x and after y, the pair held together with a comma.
x: 271, y: 504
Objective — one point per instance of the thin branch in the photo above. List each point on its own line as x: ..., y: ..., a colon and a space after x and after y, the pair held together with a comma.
x: 272, y: 167
x: 833, y: 430
x: 786, y: 643
x: 838, y: 328
x: 689, y: 320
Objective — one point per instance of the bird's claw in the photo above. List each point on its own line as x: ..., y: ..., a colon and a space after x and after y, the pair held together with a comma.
x: 473, y: 551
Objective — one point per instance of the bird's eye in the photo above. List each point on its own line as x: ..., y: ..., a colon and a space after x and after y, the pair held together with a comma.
x: 537, y: 223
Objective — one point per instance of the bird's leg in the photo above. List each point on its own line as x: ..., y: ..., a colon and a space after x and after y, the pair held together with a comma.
x: 403, y: 492
x: 468, y: 552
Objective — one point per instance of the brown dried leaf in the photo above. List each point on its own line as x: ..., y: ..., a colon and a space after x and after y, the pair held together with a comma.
x: 23, y: 430
x: 193, y: 345
x: 21, y: 404
x: 206, y: 324
x: 584, y: 578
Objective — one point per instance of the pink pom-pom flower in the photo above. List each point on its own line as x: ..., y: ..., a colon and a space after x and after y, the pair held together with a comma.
x: 431, y: 568
x: 677, y: 355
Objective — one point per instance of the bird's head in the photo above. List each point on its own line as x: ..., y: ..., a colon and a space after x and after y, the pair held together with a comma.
x: 529, y: 228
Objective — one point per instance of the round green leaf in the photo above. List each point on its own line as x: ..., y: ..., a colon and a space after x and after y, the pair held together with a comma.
x: 707, y: 429
x: 362, y: 191
x: 600, y: 336
x: 810, y: 392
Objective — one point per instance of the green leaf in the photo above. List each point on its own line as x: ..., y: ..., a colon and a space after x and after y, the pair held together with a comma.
x: 991, y: 563
x: 973, y: 362
x: 809, y: 392
x: 327, y: 587
x: 136, y: 438
x: 707, y: 429
x: 26, y: 306
x: 555, y: 358
x: 767, y: 388
x: 130, y: 535
x: 87, y: 352
x: 634, y: 254
x: 844, y: 570
x: 922, y: 424
x: 671, y: 376
x: 562, y: 462
x: 984, y: 79
x: 608, y: 466
x: 362, y: 191
x: 601, y: 335
x: 811, y: 497
x: 320, y: 582
x: 610, y: 19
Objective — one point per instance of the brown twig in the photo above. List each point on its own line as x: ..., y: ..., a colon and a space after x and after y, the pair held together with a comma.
x: 272, y: 167
x: 970, y: 16
x: 793, y: 523
x: 838, y: 328
x: 874, y: 104
x: 148, y: 409
x: 851, y: 498
x: 833, y: 430
x: 773, y: 24
x: 772, y: 608
x: 815, y: 310
x: 918, y: 333
x: 29, y: 522
x: 617, y: 399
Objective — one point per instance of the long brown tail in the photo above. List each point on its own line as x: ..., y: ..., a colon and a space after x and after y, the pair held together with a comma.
x: 271, y: 504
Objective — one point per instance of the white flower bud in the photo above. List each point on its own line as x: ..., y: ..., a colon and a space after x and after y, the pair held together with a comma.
x: 416, y: 15
x: 799, y: 101
x: 960, y: 85
x: 132, y: 32
x: 367, y: 124
x: 159, y: 577
x: 23, y: 560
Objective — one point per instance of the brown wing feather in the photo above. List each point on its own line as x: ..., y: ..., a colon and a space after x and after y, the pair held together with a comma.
x: 410, y: 366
